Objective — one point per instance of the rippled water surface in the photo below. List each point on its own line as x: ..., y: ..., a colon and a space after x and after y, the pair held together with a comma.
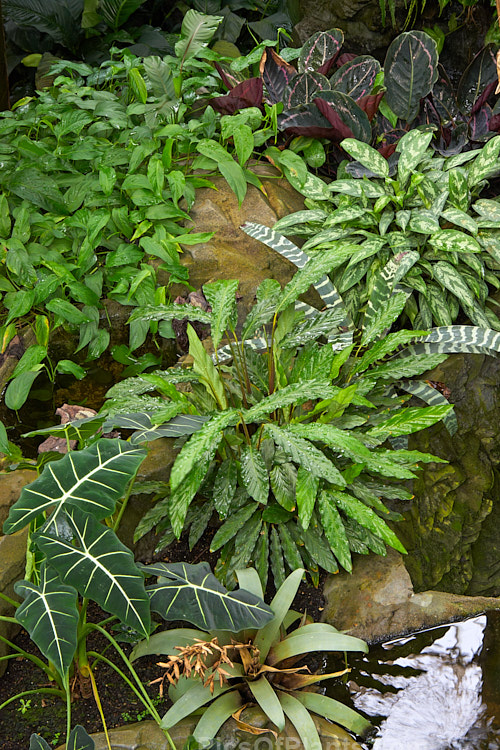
x: 435, y: 690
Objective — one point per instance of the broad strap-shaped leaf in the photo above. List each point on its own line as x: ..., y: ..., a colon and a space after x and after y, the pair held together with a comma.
x: 146, y: 430
x: 92, y: 480
x: 304, y: 643
x: 50, y: 616
x: 431, y: 396
x: 333, y: 710
x: 165, y: 642
x: 304, y: 453
x: 91, y: 558
x: 193, y: 593
x: 221, y: 296
x: 194, y: 698
x: 267, y: 699
x: 216, y: 714
x: 411, y: 70
x: 280, y: 606
x: 301, y: 720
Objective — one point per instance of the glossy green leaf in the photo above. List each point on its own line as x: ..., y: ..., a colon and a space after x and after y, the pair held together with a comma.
x: 334, y: 531
x: 301, y: 720
x: 204, y: 366
x: 267, y: 699
x: 254, y: 475
x: 334, y: 711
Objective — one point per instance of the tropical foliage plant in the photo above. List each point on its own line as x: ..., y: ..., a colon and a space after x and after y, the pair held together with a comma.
x: 421, y: 204
x: 220, y: 672
x: 92, y: 174
x: 292, y: 452
x: 78, y: 554
x: 328, y: 96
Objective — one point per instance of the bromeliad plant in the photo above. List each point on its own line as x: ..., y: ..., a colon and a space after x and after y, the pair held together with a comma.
x: 221, y: 672
x: 423, y: 205
x: 78, y: 555
x: 292, y: 454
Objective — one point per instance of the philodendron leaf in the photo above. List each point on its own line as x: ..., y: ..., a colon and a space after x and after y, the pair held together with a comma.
x: 145, y: 429
x: 78, y: 740
x: 100, y: 567
x: 411, y: 70
x: 221, y: 296
x: 193, y: 593
x: 92, y: 480
x: 50, y: 616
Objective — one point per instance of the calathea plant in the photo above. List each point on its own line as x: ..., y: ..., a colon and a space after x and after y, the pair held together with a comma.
x: 292, y: 452
x: 423, y: 205
x: 77, y: 555
x: 220, y: 672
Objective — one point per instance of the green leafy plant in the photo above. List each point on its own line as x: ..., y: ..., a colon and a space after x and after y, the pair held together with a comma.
x: 77, y: 740
x: 220, y: 671
x: 420, y: 204
x: 93, y: 172
x: 293, y: 457
x: 81, y: 555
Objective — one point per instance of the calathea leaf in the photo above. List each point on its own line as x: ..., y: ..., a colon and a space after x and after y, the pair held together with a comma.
x: 319, y: 50
x: 192, y: 593
x: 432, y: 397
x: 170, y: 312
x: 50, y: 616
x: 410, y: 69
x: 254, y: 474
x: 341, y: 441
x: 276, y: 74
x: 92, y: 479
x: 303, y: 88
x: 344, y: 115
x: 408, y: 420
x: 334, y: 531
x: 296, y: 393
x: 100, y: 567
x: 366, y: 517
x: 221, y: 296
x: 283, y: 480
x: 477, y: 77
x: 305, y: 454
x: 356, y: 77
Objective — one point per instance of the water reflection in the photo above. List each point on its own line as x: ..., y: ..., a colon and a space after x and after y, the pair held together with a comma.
x: 431, y: 697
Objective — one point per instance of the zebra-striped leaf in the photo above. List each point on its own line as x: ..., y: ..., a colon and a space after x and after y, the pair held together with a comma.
x: 92, y: 480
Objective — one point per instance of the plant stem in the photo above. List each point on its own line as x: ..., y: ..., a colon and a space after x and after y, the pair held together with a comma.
x: 125, y: 501
x: 9, y: 601
x: 13, y: 698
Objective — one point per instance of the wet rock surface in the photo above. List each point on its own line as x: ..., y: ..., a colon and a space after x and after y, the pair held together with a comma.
x: 452, y: 526
x: 377, y: 602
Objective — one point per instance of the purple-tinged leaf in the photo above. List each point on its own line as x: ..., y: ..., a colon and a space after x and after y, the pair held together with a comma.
x: 320, y: 49
x: 303, y: 88
x: 276, y: 73
x: 308, y: 121
x: 444, y: 100
x: 336, y: 106
x: 248, y: 93
x: 228, y: 78
x: 370, y: 104
x: 344, y: 58
x: 356, y: 78
x: 479, y: 124
x: 488, y: 91
x: 410, y: 70
x: 476, y: 77
x: 452, y: 140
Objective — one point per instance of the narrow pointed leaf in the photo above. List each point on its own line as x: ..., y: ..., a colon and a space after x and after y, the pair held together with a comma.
x: 301, y: 720
x: 254, y: 475
x: 432, y: 397
x: 221, y: 296
x: 205, y: 368
x: 334, y: 711
x: 194, y: 698
x: 280, y: 605
x: 305, y: 454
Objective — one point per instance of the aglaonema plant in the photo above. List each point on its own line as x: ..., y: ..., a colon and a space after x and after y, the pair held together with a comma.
x: 217, y: 672
x: 290, y: 426
x: 424, y: 205
x: 81, y: 559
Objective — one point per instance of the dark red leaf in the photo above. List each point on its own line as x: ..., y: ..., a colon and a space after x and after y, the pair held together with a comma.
x: 276, y: 74
x: 387, y: 149
x: 341, y: 129
x: 226, y: 79
x: 494, y: 123
x: 344, y: 58
x: 370, y: 104
x: 328, y: 65
x: 490, y: 88
x: 248, y: 93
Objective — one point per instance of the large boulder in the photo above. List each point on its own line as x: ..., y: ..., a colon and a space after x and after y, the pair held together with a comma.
x: 232, y: 254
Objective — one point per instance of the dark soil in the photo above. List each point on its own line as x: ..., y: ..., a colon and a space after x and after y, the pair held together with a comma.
x: 46, y: 714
